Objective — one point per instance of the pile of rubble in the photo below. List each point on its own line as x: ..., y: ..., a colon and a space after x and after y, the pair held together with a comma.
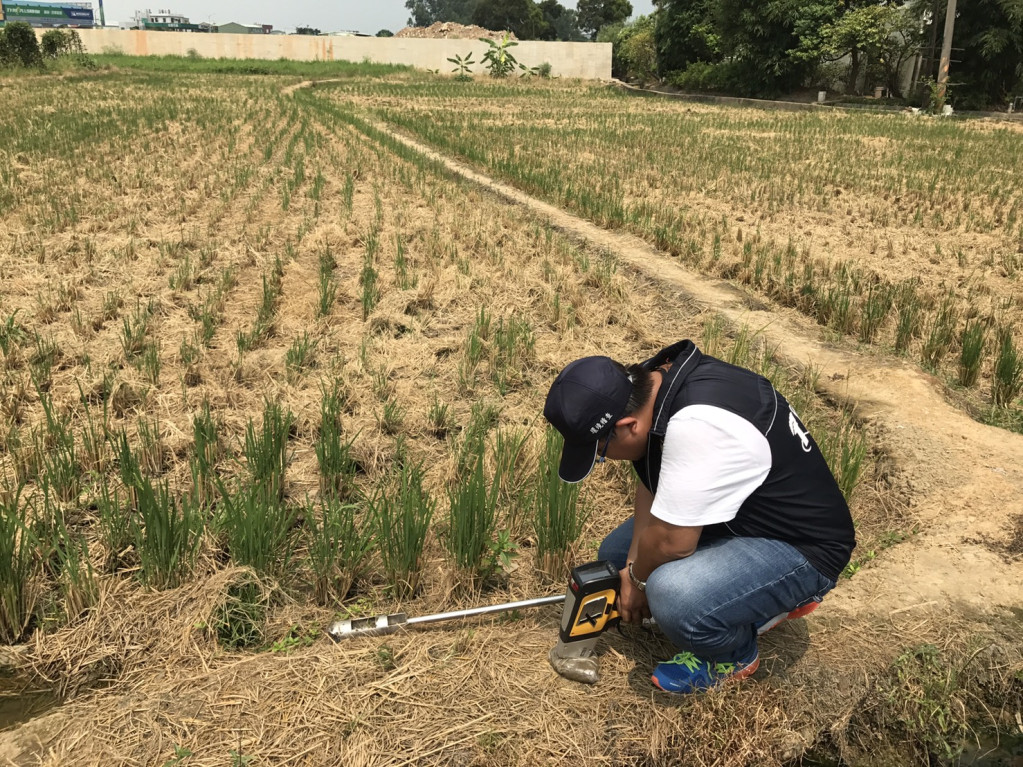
x: 452, y: 30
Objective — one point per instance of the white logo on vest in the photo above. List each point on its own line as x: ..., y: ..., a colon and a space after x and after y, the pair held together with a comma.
x: 798, y: 431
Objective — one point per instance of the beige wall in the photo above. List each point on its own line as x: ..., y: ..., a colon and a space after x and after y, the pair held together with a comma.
x: 590, y: 61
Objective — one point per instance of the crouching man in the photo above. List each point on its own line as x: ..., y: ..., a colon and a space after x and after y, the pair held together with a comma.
x: 738, y: 522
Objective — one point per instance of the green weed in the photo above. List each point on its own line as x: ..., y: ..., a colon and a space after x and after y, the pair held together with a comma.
x: 401, y: 510
x: 18, y: 567
x: 557, y: 518
x: 338, y: 547
x: 266, y: 450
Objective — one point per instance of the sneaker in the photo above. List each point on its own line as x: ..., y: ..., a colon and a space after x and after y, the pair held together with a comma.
x: 799, y: 612
x: 688, y: 673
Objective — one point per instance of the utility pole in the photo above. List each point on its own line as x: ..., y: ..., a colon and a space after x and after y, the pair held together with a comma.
x: 946, y: 50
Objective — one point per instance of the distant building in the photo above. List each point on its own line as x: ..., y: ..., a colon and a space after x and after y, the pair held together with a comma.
x: 233, y: 28
x: 163, y: 20
x: 40, y: 14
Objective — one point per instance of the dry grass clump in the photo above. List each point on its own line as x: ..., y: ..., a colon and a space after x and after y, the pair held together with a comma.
x: 132, y: 631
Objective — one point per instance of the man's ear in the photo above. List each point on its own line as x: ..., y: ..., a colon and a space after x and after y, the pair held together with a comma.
x: 628, y: 422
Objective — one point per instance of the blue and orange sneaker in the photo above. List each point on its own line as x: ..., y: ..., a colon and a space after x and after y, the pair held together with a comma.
x: 799, y: 612
x: 688, y: 673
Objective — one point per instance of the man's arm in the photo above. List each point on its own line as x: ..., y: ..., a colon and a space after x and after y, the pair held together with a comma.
x: 654, y: 542
x: 662, y: 542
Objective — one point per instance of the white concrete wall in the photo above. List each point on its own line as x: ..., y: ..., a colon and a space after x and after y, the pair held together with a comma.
x: 589, y: 61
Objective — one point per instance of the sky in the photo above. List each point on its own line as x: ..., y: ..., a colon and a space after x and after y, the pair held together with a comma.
x: 369, y: 16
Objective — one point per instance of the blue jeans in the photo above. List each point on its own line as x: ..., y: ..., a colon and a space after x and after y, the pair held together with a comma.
x: 711, y: 603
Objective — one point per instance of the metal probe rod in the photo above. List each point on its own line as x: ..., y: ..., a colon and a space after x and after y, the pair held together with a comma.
x: 488, y: 609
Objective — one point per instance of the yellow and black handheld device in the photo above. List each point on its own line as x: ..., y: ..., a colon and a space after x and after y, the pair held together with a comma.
x: 591, y: 607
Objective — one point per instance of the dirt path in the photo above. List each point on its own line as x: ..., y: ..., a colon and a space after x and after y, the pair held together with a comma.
x: 962, y: 480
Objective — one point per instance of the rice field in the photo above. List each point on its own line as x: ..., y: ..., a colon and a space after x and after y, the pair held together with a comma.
x: 902, y: 233
x: 262, y: 367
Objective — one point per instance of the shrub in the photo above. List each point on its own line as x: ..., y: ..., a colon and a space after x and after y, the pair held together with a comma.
x: 701, y: 76
x: 633, y: 49
x: 639, y: 50
x: 61, y: 42
x: 18, y: 46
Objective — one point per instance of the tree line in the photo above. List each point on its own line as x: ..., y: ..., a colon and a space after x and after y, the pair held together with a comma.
x: 765, y: 48
x: 526, y: 19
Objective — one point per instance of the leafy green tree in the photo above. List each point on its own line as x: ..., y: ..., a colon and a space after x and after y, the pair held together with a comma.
x: 757, y: 38
x: 990, y: 63
x: 594, y: 14
x: 685, y: 33
x: 561, y: 23
x: 520, y: 17
x: 427, y: 12
x: 639, y: 50
x: 19, y: 46
x: 385, y: 33
x: 879, y: 38
x: 876, y: 37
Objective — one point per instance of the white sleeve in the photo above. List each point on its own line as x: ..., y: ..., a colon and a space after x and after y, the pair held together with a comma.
x: 712, y: 461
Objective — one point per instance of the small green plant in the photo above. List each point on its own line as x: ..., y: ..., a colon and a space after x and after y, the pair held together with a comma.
x: 845, y: 449
x: 513, y: 348
x: 557, y: 518
x: 69, y: 558
x: 12, y: 334
x: 239, y: 621
x: 266, y: 313
x: 909, y: 317
x: 338, y: 548
x: 256, y: 528
x: 498, y: 59
x: 61, y: 470
x: 439, y: 418
x: 370, y: 290
x: 205, y: 455
x: 266, y: 450
x: 300, y: 356
x: 472, y: 517
x: 392, y: 417
x: 463, y: 67
x: 165, y: 531
x: 18, y: 566
x: 923, y: 698
x: 295, y: 638
x: 1007, y: 381
x: 333, y: 451
x: 115, y: 526
x: 180, y: 754
x: 972, y: 354
x: 942, y: 333
x: 509, y: 450
x: 149, y: 362
x: 134, y: 329
x: 401, y: 510
x: 874, y: 311
x: 328, y: 286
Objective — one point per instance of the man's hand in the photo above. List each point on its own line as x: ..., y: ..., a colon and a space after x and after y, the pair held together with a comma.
x: 632, y: 605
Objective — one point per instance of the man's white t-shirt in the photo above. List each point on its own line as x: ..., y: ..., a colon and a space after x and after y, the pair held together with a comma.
x: 712, y: 461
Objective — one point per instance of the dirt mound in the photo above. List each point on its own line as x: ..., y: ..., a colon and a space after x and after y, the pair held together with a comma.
x: 449, y: 29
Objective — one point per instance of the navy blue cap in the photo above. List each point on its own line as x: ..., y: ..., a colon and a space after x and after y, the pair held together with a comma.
x: 585, y: 401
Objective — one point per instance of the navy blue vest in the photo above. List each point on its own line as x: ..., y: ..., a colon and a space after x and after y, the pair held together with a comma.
x: 799, y: 502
